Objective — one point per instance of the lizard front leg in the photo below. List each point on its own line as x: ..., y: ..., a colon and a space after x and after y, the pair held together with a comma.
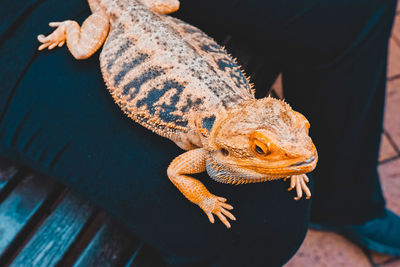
x: 83, y: 41
x: 299, y: 182
x: 190, y: 162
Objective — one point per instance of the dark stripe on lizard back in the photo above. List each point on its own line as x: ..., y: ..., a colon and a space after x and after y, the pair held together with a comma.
x: 128, y: 66
x: 227, y: 65
x: 215, y: 90
x: 231, y: 96
x: 128, y: 43
x: 166, y: 110
x: 224, y: 64
x: 137, y: 82
x: 237, y: 76
x: 208, y: 122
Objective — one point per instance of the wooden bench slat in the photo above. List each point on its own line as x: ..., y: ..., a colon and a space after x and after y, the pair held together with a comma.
x: 145, y: 256
x: 7, y: 173
x: 111, y: 246
x: 54, y: 237
x: 38, y: 236
x: 135, y: 254
x: 19, y: 207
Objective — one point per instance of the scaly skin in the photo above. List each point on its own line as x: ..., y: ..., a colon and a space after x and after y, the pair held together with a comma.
x: 176, y: 81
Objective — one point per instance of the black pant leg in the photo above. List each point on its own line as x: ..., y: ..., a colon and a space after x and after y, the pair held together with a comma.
x: 58, y: 118
x: 343, y: 98
x: 333, y: 55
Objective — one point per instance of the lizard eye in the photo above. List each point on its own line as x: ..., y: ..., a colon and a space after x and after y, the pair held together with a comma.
x: 260, y: 145
x: 259, y: 150
x: 224, y: 152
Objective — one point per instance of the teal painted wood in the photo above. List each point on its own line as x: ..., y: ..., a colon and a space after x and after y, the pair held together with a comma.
x: 37, y: 235
x: 111, y: 246
x: 7, y: 173
x: 20, y: 207
x: 59, y: 231
x: 144, y: 256
x: 135, y: 255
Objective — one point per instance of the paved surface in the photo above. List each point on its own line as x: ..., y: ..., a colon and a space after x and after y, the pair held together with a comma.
x: 329, y: 249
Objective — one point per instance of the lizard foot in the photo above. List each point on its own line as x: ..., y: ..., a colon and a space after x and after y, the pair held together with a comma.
x: 299, y: 181
x: 57, y: 38
x: 216, y: 205
x: 165, y: 6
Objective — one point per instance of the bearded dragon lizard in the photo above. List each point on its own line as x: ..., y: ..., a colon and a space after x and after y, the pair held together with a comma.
x: 178, y: 82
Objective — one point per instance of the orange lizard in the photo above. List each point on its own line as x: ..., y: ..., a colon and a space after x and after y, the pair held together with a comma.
x: 178, y: 82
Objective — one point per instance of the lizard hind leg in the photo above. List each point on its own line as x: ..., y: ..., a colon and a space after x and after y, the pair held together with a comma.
x: 162, y: 6
x: 82, y: 41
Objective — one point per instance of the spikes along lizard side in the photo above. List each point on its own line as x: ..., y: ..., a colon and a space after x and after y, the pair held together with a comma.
x: 178, y: 82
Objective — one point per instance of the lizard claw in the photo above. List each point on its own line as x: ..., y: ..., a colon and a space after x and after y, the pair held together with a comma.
x: 56, y: 38
x: 216, y: 205
x: 299, y: 182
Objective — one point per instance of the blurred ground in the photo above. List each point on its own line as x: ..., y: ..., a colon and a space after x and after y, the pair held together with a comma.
x: 329, y: 249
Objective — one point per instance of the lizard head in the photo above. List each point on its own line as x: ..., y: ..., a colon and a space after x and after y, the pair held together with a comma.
x: 261, y: 140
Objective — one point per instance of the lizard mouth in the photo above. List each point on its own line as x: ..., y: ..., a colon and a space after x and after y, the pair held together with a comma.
x: 304, y: 162
x: 234, y: 174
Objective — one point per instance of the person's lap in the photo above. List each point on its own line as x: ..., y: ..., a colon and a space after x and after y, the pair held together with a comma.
x: 333, y: 57
x: 59, y: 118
